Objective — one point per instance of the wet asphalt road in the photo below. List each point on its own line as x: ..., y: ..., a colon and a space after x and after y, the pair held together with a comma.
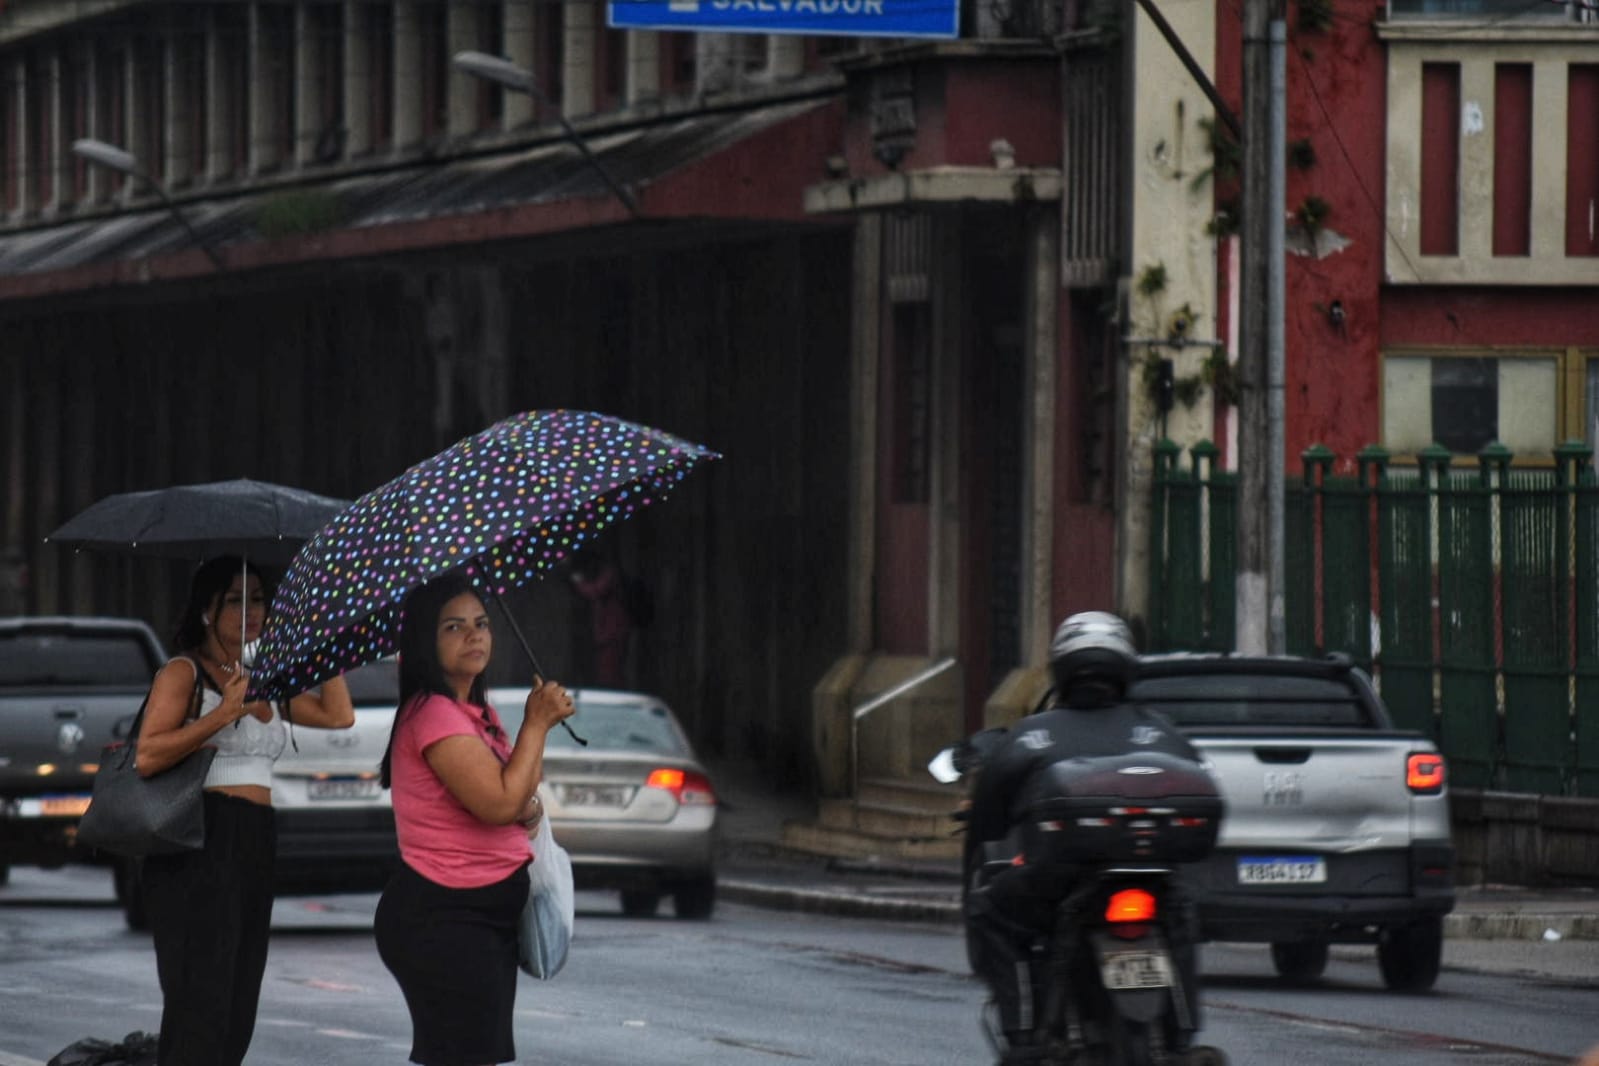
x: 751, y: 986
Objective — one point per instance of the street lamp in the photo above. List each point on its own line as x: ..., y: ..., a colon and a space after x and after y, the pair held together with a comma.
x: 113, y: 158
x: 503, y: 72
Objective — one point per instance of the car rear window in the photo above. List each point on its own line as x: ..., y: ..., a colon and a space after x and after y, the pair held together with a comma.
x: 1252, y: 699
x: 75, y: 660
x: 375, y: 683
x: 621, y: 727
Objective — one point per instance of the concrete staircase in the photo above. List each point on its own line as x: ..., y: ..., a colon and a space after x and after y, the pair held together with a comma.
x: 889, y: 818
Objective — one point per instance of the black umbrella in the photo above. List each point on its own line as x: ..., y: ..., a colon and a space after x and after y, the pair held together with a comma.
x: 263, y: 522
x: 509, y: 504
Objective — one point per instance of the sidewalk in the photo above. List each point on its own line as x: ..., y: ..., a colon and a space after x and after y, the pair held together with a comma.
x: 754, y: 868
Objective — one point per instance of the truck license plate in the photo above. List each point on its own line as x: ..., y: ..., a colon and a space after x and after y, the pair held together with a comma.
x: 342, y: 788
x: 1127, y: 970
x: 1281, y: 870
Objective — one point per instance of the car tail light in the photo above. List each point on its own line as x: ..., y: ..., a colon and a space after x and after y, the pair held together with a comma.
x: 1130, y: 905
x: 689, y: 788
x: 1424, y: 773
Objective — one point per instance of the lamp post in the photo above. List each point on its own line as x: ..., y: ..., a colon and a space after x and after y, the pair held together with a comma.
x: 113, y: 158
x: 503, y: 72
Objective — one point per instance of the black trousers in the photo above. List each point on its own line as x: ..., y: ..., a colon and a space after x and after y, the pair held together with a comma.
x: 453, y: 953
x: 210, y: 913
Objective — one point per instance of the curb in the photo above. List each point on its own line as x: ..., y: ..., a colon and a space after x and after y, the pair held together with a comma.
x: 1518, y: 926
x: 845, y: 904
x: 1521, y: 926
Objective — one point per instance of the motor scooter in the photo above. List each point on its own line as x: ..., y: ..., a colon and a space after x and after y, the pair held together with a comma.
x: 1109, y: 977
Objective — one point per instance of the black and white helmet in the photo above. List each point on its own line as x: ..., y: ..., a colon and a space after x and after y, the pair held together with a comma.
x: 1094, y: 646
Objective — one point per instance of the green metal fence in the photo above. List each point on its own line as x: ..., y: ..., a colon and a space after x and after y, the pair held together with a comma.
x: 1471, y: 595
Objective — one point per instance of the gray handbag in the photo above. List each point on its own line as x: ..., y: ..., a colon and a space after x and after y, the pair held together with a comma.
x: 136, y: 816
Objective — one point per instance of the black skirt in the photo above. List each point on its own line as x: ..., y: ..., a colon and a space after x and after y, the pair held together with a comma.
x: 453, y: 952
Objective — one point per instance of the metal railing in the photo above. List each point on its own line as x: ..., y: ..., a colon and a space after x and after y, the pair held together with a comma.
x: 873, y: 704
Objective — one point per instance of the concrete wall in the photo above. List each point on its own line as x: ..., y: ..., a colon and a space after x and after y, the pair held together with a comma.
x: 1171, y: 204
x: 1518, y: 839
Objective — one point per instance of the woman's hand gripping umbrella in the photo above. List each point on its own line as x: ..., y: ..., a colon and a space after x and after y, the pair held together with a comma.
x: 508, y: 504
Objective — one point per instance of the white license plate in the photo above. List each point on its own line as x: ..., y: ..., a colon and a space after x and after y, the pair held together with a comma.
x: 342, y: 788
x: 1127, y: 970
x: 1281, y: 870
x: 594, y: 796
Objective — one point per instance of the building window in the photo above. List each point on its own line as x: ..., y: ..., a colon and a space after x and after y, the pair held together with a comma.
x: 380, y: 59
x: 110, y: 106
x: 40, y: 165
x: 490, y: 39
x: 232, y: 28
x: 1495, y: 10
x: 74, y: 124
x: 189, y: 100
x: 681, y: 66
x: 434, y: 31
x: 1463, y: 401
x: 1582, y: 160
x: 277, y: 65
x: 613, y: 68
x: 326, y: 25
x: 1440, y: 159
x: 549, y: 33
x: 10, y: 142
x: 1590, y: 401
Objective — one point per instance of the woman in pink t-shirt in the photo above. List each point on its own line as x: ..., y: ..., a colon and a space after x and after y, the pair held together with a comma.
x: 463, y: 801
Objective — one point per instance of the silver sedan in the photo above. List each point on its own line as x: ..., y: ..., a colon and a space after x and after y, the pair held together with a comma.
x: 635, y: 808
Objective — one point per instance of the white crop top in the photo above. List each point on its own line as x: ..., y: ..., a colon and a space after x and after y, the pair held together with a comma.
x: 246, y: 749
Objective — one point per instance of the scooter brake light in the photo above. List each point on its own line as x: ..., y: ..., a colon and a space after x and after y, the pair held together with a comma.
x: 1130, y: 905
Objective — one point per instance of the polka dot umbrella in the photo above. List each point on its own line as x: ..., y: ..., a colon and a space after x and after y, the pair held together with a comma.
x: 509, y: 504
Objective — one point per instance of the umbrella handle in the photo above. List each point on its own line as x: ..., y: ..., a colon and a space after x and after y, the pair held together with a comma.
x: 538, y: 671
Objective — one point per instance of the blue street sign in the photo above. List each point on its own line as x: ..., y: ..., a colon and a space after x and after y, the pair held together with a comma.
x: 848, y: 18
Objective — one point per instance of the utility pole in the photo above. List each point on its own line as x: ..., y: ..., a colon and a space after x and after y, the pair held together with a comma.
x: 1258, y: 595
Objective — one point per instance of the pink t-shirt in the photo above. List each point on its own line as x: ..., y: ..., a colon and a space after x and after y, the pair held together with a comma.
x: 439, y: 838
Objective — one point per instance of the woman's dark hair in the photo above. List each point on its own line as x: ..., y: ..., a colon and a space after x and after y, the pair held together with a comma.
x: 420, y: 671
x: 207, y: 588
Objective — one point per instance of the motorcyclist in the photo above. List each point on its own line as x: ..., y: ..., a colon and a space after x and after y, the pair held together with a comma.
x: 1092, y: 659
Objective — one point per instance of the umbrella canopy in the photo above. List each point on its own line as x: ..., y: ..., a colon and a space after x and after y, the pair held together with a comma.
x: 508, y: 503
x: 264, y: 522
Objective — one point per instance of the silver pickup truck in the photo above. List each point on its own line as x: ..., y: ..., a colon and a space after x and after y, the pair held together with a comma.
x: 1337, y: 825
x: 68, y: 687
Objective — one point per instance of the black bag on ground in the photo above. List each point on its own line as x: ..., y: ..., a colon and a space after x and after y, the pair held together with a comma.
x: 136, y: 1049
x: 136, y: 816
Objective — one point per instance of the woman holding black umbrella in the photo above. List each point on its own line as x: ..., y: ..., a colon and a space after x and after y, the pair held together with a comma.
x: 210, y: 910
x: 464, y: 796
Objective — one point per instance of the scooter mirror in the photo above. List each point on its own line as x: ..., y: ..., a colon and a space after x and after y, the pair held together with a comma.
x: 943, y: 767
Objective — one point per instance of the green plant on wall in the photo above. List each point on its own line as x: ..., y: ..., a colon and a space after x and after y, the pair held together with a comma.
x: 1225, y: 155
x: 1314, y: 16
x: 1301, y: 154
x: 1174, y: 333
x: 297, y: 211
x: 1152, y: 280
x: 1219, y: 373
x: 1311, y: 214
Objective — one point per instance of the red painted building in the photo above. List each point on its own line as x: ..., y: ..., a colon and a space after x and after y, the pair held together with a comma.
x: 1448, y: 167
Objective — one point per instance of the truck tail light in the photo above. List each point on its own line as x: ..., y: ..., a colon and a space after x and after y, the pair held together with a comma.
x: 689, y: 788
x: 1424, y: 773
